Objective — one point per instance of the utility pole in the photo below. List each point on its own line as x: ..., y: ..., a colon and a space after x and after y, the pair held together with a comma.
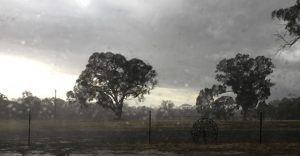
x: 55, y: 104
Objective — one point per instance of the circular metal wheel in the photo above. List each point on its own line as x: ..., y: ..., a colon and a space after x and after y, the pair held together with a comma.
x: 206, y: 129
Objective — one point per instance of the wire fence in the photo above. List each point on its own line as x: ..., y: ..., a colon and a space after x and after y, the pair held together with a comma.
x: 150, y: 131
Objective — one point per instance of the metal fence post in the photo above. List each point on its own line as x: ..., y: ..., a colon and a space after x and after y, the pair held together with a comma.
x: 260, y: 128
x: 55, y: 104
x: 29, y: 126
x: 149, y: 135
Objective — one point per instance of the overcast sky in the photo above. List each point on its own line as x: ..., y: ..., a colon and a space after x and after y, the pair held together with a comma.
x: 45, y: 44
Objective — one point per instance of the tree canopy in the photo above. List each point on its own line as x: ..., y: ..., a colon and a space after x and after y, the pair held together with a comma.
x: 3, y: 98
x: 166, y: 109
x: 291, y: 17
x: 247, y: 78
x: 210, y: 103
x: 110, y: 78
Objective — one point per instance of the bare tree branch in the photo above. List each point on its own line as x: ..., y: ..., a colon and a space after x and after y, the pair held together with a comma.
x: 287, y: 43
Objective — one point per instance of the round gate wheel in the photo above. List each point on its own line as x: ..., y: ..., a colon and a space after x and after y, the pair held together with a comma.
x: 204, y: 130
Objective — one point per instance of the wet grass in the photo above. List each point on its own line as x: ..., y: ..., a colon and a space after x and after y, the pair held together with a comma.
x: 69, y: 135
x: 182, y: 148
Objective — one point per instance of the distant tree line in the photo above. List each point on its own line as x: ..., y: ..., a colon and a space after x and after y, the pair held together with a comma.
x: 284, y: 109
x: 44, y: 109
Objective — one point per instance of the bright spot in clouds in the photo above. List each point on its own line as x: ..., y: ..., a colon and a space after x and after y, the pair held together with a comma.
x: 292, y: 54
x: 84, y: 3
x: 178, y: 95
x: 19, y: 74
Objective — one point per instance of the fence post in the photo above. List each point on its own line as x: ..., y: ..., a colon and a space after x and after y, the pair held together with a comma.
x: 55, y: 104
x: 29, y: 125
x: 260, y: 128
x: 149, y: 135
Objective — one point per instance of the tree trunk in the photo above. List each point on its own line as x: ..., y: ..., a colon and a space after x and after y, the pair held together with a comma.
x: 245, y: 114
x: 118, y: 113
x: 119, y: 110
x: 225, y: 117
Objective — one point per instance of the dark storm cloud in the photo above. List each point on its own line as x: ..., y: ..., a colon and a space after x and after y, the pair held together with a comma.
x: 182, y: 39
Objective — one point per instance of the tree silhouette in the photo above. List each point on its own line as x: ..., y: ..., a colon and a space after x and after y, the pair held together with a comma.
x: 288, y: 109
x: 71, y: 97
x: 110, y: 78
x: 291, y: 17
x: 3, y: 98
x: 166, y: 109
x: 248, y: 79
x: 208, y: 102
x: 32, y: 103
x: 3, y: 105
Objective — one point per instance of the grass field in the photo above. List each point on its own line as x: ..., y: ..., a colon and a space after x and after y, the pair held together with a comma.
x: 281, y: 137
